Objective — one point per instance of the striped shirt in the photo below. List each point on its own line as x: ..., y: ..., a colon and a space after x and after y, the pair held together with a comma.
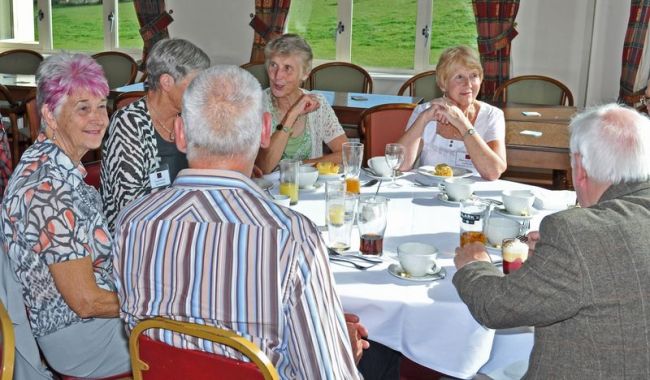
x: 212, y: 249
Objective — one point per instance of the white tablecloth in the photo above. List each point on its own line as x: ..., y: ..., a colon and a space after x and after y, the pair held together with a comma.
x: 427, y: 322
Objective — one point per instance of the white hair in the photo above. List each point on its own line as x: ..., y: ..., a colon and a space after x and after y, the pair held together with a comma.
x: 614, y: 143
x: 222, y: 112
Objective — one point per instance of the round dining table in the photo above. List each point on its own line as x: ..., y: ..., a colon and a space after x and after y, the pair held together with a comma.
x: 425, y: 321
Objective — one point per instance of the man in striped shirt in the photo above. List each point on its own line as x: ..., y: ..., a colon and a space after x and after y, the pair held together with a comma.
x: 214, y: 249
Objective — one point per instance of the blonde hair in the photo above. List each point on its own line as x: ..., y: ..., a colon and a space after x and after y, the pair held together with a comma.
x: 463, y: 56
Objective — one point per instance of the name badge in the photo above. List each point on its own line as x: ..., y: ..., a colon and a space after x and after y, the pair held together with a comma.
x: 160, y: 178
x: 463, y: 159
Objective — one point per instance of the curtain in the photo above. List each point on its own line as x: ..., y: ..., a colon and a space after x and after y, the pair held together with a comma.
x: 153, y: 20
x: 268, y: 23
x: 633, y: 81
x: 495, y: 23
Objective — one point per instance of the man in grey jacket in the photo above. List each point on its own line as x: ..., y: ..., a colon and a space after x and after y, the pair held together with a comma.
x: 586, y: 284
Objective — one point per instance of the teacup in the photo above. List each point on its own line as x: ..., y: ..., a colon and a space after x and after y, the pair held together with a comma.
x: 498, y: 229
x: 307, y: 176
x: 458, y: 189
x: 282, y: 200
x: 518, y: 202
x: 417, y: 259
x: 379, y: 165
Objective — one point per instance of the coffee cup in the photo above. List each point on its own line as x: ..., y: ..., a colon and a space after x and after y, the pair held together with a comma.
x: 379, y: 165
x: 458, y: 189
x: 518, y: 202
x: 417, y: 259
x: 498, y: 229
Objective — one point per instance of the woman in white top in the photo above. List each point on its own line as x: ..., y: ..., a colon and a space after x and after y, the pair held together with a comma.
x: 457, y: 129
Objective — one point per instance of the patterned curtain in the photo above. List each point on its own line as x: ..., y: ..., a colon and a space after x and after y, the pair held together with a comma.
x: 495, y: 23
x: 633, y: 83
x: 268, y: 23
x: 153, y: 19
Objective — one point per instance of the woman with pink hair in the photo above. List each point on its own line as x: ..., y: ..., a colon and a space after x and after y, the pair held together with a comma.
x: 54, y: 231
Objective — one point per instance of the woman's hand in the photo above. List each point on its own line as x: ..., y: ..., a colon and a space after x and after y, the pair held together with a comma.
x: 449, y: 114
x: 307, y: 103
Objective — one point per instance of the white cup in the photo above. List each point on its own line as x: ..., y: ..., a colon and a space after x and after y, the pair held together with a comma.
x: 518, y: 202
x: 282, y: 200
x: 458, y: 189
x: 379, y: 165
x: 417, y: 259
x: 498, y: 228
x: 307, y: 176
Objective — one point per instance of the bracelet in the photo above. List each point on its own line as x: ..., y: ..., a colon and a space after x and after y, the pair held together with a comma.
x: 281, y: 127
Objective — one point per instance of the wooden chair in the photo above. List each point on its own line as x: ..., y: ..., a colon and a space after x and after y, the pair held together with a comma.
x: 14, y: 110
x: 422, y: 85
x: 152, y: 359
x: 259, y: 71
x: 33, y: 117
x: 381, y: 125
x: 8, y: 350
x: 20, y: 61
x: 120, y: 68
x: 533, y: 89
x: 93, y: 169
x: 340, y: 76
x: 126, y: 98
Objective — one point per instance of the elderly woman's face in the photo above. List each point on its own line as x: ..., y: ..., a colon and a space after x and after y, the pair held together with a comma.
x: 463, y: 85
x: 285, y: 74
x: 81, y: 123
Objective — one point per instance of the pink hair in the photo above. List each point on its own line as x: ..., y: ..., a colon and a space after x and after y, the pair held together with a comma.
x: 61, y: 74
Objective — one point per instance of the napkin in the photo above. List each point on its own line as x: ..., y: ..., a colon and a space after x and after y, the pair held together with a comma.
x: 553, y: 199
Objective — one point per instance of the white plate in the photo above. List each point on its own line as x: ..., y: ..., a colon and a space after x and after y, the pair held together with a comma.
x: 502, y: 211
x: 438, y: 273
x: 263, y: 183
x: 429, y: 170
x: 312, y: 188
x: 374, y: 175
x: 328, y: 177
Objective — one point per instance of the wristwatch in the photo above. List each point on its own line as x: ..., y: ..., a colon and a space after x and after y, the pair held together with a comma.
x: 280, y: 127
x: 469, y: 132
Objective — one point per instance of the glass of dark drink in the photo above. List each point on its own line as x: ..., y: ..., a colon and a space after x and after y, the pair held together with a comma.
x: 514, y: 253
x: 372, y: 217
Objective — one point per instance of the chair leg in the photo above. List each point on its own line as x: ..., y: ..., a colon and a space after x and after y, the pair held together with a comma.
x: 15, y: 139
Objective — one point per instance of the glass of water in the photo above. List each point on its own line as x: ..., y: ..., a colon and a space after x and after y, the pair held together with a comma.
x: 394, y: 154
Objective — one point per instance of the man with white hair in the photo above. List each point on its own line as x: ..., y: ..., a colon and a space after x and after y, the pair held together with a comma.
x: 586, y: 286
x: 215, y: 249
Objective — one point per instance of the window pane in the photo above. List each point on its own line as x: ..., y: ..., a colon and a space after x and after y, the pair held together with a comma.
x: 77, y: 27
x: 128, y: 26
x: 383, y: 33
x: 315, y: 20
x: 453, y: 24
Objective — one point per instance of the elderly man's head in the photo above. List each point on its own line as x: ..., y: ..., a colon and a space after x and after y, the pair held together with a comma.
x: 223, y: 115
x: 610, y: 144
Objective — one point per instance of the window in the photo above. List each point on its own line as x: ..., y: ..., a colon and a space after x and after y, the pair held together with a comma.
x: 91, y: 25
x: 390, y: 35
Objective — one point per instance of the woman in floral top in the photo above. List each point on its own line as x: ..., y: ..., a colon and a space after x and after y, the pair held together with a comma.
x: 303, y: 121
x: 54, y: 231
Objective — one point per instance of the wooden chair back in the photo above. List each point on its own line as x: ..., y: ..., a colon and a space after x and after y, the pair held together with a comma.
x: 120, y: 68
x: 20, y: 61
x: 126, y: 98
x: 8, y: 347
x: 93, y: 170
x: 259, y: 71
x: 153, y: 360
x: 340, y: 76
x: 421, y: 85
x: 33, y: 116
x: 533, y: 89
x: 381, y: 125
x: 14, y: 110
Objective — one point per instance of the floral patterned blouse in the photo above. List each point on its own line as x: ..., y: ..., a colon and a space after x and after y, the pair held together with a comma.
x: 50, y: 215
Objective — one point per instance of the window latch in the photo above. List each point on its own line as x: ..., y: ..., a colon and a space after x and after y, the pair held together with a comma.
x: 111, y: 19
x: 41, y: 15
x: 425, y: 33
x: 340, y: 27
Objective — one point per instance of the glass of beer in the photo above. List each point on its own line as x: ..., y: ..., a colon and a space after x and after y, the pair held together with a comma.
x: 371, y: 218
x: 352, y: 155
x: 472, y: 215
x: 289, y: 179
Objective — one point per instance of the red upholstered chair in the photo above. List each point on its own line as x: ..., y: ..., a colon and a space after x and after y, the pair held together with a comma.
x: 381, y: 125
x: 8, y: 347
x: 126, y: 98
x: 93, y: 169
x: 153, y: 360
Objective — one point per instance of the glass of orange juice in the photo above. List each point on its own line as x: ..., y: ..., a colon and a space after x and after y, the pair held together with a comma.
x: 289, y: 179
x: 352, y: 155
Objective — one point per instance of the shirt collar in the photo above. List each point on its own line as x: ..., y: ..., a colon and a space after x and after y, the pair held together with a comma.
x: 217, y: 178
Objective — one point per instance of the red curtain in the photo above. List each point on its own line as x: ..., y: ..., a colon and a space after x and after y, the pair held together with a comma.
x: 495, y: 23
x: 153, y: 20
x: 268, y: 23
x: 633, y: 50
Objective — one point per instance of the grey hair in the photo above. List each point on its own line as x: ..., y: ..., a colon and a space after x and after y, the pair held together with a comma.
x: 176, y: 57
x: 288, y: 45
x: 222, y: 112
x: 614, y: 143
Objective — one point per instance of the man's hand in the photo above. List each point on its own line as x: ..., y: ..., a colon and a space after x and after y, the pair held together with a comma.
x: 469, y: 253
x: 356, y: 332
x: 257, y: 172
x: 533, y: 238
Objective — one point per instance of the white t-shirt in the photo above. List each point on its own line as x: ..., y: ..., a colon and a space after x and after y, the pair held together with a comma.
x: 490, y: 125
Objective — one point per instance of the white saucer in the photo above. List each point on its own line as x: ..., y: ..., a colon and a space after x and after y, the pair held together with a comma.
x: 429, y: 170
x: 312, y: 188
x: 438, y: 273
x: 374, y: 175
x: 492, y: 249
x: 442, y: 198
x: 502, y: 211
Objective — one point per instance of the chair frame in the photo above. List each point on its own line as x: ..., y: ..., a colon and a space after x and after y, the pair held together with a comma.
x: 212, y: 333
x: 8, y: 345
x: 367, y: 134
x: 24, y: 51
x: 245, y: 66
x: 134, y: 65
x: 501, y: 93
x: 15, y: 111
x: 409, y: 85
x: 367, y: 81
x: 32, y: 114
x: 127, y: 98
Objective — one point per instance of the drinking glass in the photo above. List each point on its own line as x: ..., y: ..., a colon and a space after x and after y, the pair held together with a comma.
x: 289, y: 179
x: 352, y: 155
x: 394, y: 154
x: 341, y: 211
x: 371, y: 218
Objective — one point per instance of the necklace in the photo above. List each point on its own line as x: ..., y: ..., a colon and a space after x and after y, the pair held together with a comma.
x: 156, y: 121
